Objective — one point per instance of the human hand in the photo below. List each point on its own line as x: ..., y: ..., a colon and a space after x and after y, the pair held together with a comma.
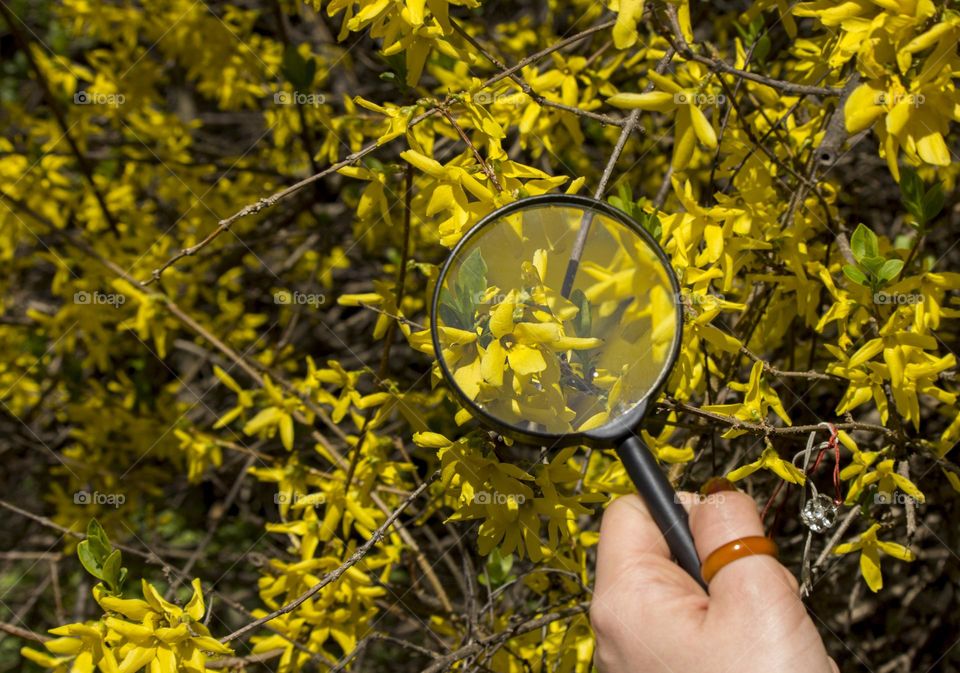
x: 650, y: 616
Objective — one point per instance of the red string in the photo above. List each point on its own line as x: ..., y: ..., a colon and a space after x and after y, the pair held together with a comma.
x: 832, y: 444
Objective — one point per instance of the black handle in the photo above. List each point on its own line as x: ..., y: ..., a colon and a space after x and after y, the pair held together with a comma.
x: 662, y: 502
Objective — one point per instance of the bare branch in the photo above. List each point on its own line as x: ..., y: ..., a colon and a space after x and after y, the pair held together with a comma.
x: 335, y: 574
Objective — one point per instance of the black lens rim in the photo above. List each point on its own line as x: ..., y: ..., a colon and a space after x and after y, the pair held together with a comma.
x: 613, y: 431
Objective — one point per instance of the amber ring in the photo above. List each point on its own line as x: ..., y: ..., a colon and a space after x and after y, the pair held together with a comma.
x: 737, y: 549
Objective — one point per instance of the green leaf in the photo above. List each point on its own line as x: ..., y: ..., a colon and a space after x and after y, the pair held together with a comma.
x: 744, y: 35
x: 863, y: 243
x: 651, y: 222
x: 298, y: 70
x: 911, y: 188
x: 498, y: 568
x: 472, y: 278
x: 99, y: 558
x: 99, y: 542
x: 458, y: 304
x: 854, y: 274
x: 923, y: 205
x: 890, y: 269
x: 904, y: 241
x: 583, y: 321
x: 398, y: 65
x: 89, y: 560
x: 873, y: 264
x: 932, y: 203
x: 762, y: 49
x: 111, y: 570
x: 624, y: 200
x: 450, y: 315
x: 448, y: 310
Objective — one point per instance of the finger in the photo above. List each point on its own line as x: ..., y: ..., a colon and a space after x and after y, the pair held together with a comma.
x: 687, y: 499
x: 638, y: 589
x: 754, y: 597
x: 725, y: 516
x: 628, y: 532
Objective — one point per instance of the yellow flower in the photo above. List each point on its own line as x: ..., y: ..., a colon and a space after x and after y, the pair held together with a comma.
x: 906, y: 118
x: 870, y: 547
x: 691, y: 123
x: 201, y: 451
x: 884, y: 475
x: 628, y: 15
x: 758, y: 399
x: 662, y: 448
x: 769, y: 460
x: 906, y: 365
x: 404, y: 27
x: 277, y: 416
x: 134, y: 633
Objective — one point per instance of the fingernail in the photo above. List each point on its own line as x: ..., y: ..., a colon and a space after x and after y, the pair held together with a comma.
x: 716, y: 485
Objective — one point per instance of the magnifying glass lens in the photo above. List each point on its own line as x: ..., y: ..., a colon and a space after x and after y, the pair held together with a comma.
x: 555, y: 318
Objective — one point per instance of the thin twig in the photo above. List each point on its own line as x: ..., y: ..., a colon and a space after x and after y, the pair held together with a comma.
x: 764, y: 429
x: 484, y: 166
x: 527, y: 89
x: 497, y: 639
x: 679, y: 42
x: 25, y: 634
x: 243, y: 662
x: 628, y: 128
x: 335, y: 574
x: 273, y: 199
x: 770, y: 369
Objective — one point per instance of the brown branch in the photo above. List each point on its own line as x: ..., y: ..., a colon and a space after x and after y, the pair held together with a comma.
x: 830, y: 546
x: 267, y: 202
x: 25, y: 634
x: 243, y: 662
x: 587, y: 220
x: 679, y: 42
x: 763, y: 429
x: 903, y: 469
x: 487, y: 170
x: 252, y: 371
x: 151, y: 558
x: 497, y: 639
x: 215, y: 522
x: 254, y: 208
x: 836, y: 132
x: 526, y: 88
x: 543, y: 53
x: 770, y: 369
x: 398, y: 291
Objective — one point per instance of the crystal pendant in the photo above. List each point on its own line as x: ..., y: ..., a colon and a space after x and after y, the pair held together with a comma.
x: 819, y: 513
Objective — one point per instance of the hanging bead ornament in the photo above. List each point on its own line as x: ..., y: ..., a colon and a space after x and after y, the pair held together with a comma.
x: 819, y: 512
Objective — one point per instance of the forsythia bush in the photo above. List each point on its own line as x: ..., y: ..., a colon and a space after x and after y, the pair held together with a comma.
x: 220, y: 224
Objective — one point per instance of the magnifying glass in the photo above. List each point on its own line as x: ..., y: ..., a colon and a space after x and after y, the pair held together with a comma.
x: 556, y: 320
